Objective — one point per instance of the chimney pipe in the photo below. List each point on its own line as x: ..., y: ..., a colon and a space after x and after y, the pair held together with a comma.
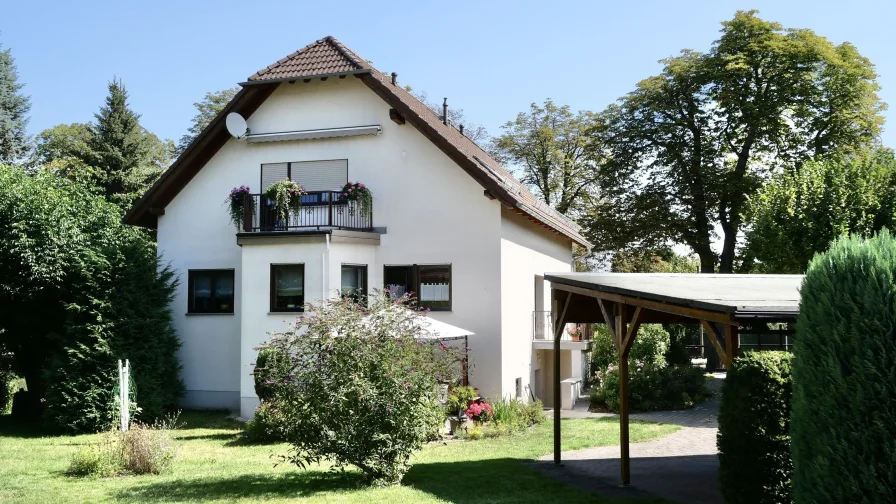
x: 461, y: 129
x: 445, y: 111
x: 394, y: 78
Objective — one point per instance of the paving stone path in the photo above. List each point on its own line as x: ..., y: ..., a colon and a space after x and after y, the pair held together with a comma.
x: 682, y: 467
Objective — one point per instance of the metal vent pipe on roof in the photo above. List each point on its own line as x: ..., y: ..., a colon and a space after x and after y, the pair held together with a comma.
x: 445, y: 111
x: 461, y: 129
x: 394, y: 78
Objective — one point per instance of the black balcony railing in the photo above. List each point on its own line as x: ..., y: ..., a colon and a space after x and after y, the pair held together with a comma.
x: 319, y: 210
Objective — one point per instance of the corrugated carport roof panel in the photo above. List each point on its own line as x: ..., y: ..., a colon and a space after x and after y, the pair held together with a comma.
x: 746, y: 295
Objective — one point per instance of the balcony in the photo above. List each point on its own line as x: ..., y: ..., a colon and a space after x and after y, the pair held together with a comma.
x: 319, y: 211
x: 573, y: 337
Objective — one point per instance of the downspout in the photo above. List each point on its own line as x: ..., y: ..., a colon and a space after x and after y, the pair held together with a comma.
x: 325, y: 262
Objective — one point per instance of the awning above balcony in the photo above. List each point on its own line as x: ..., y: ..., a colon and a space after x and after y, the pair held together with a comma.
x: 283, y: 136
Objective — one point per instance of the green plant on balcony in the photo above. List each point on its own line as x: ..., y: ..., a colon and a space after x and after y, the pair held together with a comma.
x: 237, y: 203
x: 285, y: 196
x: 358, y: 192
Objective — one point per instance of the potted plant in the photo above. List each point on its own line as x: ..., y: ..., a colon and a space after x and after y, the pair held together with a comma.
x: 284, y: 196
x: 360, y: 194
x: 459, y: 399
x: 575, y: 333
x: 237, y: 203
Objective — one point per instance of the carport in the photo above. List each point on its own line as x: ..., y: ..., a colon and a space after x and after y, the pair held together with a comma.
x: 624, y: 301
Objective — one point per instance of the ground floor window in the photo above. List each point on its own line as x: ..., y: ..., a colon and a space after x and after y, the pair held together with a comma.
x: 429, y: 283
x: 354, y: 281
x: 210, y: 291
x: 287, y: 287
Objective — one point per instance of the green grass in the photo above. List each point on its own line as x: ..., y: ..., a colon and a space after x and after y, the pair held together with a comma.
x: 215, y: 465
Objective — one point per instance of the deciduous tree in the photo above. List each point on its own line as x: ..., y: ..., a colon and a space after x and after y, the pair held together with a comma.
x: 800, y: 213
x: 206, y: 110
x: 548, y: 146
x: 687, y: 148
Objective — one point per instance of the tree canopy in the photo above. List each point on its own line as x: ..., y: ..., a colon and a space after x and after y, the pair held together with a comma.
x: 800, y: 213
x: 688, y: 147
x: 14, y: 107
x: 206, y: 110
x: 548, y: 145
x: 78, y: 289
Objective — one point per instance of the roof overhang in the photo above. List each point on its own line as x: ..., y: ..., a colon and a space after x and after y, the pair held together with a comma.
x: 682, y: 297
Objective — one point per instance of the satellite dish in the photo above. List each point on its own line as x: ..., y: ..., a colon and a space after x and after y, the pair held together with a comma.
x: 236, y: 125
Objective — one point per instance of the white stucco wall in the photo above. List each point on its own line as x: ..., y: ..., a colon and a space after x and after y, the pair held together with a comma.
x: 527, y: 252
x: 434, y: 212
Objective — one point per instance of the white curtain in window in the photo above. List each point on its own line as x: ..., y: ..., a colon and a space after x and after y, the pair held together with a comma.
x: 434, y: 292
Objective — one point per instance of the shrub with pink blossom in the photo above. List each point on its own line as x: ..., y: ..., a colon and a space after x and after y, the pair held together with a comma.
x: 361, y: 386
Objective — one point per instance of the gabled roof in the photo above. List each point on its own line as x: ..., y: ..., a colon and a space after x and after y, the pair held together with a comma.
x: 327, y: 57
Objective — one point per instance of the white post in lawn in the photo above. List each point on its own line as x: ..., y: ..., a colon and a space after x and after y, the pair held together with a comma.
x: 124, y: 375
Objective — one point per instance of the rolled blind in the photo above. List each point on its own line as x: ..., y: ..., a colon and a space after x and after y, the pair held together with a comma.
x: 274, y: 172
x: 329, y: 175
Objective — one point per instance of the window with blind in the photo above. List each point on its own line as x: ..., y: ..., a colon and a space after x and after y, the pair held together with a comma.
x: 324, y: 175
x: 430, y: 284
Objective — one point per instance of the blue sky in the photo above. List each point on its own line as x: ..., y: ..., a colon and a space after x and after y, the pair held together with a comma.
x: 490, y: 58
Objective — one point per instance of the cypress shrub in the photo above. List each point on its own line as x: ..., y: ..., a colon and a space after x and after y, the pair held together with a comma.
x: 844, y: 375
x: 754, y: 430
x: 121, y: 312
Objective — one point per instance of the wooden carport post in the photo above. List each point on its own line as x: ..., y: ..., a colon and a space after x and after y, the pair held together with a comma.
x: 559, y: 322
x: 625, y: 334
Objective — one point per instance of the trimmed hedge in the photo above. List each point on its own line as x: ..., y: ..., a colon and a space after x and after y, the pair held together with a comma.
x: 271, y: 368
x: 844, y: 375
x: 754, y: 430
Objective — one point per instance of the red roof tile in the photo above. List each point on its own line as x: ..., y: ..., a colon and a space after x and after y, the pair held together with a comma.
x: 326, y: 56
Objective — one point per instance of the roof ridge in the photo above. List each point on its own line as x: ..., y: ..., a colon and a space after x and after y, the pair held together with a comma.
x: 286, y: 58
x: 348, y: 53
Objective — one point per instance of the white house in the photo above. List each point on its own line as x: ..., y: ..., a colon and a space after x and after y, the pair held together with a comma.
x: 448, y: 223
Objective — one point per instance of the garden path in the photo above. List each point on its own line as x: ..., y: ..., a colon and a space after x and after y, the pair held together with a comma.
x: 682, y: 467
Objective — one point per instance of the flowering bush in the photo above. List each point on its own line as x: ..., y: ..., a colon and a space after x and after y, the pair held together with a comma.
x: 356, y: 191
x: 360, y: 388
x: 285, y: 196
x: 480, y: 411
x: 236, y: 204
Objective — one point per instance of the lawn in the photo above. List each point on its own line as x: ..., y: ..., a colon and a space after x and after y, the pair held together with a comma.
x: 215, y: 465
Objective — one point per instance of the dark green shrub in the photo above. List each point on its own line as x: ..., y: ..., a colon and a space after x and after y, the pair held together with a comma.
x: 271, y: 368
x: 844, y: 375
x: 649, y: 347
x: 122, y: 312
x: 651, y: 388
x: 754, y: 430
x: 679, y: 337
x: 267, y: 425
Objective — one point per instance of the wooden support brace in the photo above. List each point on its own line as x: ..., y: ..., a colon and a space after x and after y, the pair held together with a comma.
x: 632, y: 331
x: 714, y: 337
x: 611, y: 325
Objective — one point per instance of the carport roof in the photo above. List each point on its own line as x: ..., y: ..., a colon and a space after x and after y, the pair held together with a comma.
x: 742, y: 296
